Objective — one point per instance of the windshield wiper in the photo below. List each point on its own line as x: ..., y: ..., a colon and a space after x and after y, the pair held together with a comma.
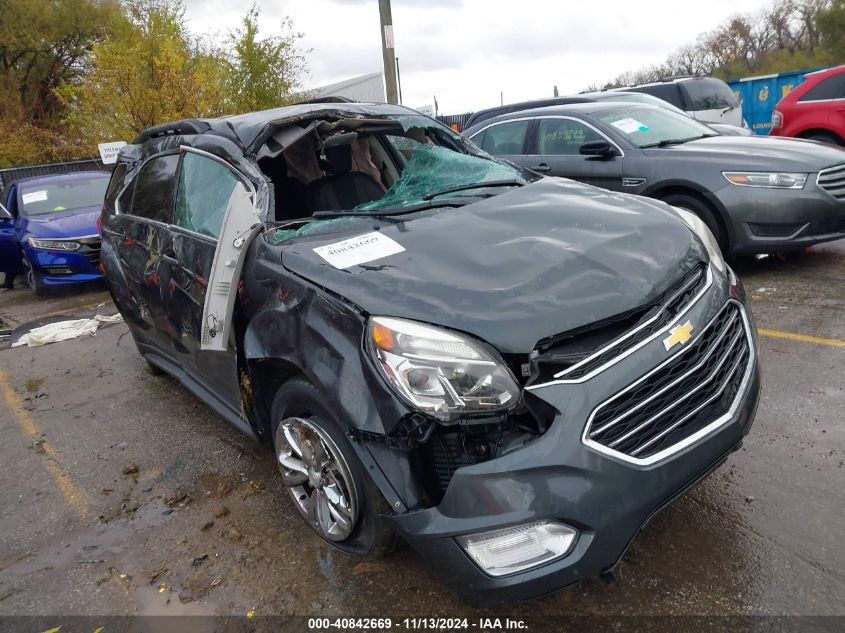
x: 411, y: 208
x: 676, y: 141
x: 475, y: 185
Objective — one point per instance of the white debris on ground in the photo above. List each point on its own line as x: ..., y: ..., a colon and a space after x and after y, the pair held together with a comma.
x: 64, y: 330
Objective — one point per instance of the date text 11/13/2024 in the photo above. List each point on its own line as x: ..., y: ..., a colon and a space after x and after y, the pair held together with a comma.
x: 424, y: 623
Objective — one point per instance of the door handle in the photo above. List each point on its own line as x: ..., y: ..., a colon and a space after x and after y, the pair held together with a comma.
x: 541, y: 167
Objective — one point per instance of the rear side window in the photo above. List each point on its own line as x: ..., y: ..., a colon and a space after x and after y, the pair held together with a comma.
x: 205, y: 187
x: 505, y: 138
x: 154, y: 188
x: 708, y: 94
x: 668, y: 92
x: 830, y: 88
x: 117, y: 177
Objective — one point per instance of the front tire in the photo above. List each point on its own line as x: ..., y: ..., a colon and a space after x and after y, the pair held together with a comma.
x: 825, y: 137
x: 704, y: 211
x: 32, y: 277
x: 324, y: 477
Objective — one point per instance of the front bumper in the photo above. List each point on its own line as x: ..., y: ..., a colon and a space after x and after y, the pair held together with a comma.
x: 765, y: 220
x: 559, y: 477
x: 56, y: 268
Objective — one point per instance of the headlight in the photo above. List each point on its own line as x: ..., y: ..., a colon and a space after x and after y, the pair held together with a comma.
x: 440, y: 372
x: 54, y: 245
x: 777, y: 180
x: 697, y: 225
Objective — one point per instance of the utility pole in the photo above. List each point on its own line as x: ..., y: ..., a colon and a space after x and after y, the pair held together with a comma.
x: 388, y: 51
x: 399, y: 80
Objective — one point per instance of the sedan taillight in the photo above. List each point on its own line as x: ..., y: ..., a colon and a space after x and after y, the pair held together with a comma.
x: 777, y: 120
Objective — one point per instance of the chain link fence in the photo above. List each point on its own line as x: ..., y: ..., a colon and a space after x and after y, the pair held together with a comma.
x: 11, y: 174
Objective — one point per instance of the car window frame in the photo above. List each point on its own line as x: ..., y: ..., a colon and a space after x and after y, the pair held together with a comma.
x: 184, y: 149
x: 673, y: 85
x: 578, y: 120
x: 12, y: 197
x: 536, y: 145
x: 133, y: 181
x: 840, y: 95
x: 526, y: 143
x: 180, y: 151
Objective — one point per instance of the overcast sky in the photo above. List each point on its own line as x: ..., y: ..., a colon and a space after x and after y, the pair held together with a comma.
x: 466, y: 51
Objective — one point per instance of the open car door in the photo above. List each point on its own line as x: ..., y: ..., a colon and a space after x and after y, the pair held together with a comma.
x: 240, y: 225
x: 10, y: 258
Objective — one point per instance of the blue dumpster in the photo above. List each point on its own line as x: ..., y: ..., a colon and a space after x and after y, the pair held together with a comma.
x: 759, y: 95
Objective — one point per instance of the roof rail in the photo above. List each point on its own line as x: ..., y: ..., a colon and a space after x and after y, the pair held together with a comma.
x: 674, y: 77
x: 174, y: 128
x: 328, y: 99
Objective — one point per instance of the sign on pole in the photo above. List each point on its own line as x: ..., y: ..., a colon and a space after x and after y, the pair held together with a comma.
x: 109, y: 151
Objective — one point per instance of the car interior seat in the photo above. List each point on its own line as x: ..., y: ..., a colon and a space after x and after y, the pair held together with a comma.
x: 288, y: 192
x: 508, y: 147
x: 342, y: 188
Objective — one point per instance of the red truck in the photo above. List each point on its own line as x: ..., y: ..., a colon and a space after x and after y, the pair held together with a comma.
x: 815, y: 109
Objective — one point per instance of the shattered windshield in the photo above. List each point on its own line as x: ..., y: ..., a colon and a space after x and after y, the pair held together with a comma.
x: 382, y: 166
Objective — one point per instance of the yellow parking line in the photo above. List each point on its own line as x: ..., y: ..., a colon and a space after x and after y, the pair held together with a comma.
x: 74, y: 496
x: 803, y: 338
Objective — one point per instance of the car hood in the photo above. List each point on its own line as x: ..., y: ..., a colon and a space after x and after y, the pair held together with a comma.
x: 70, y: 223
x: 757, y: 153
x: 516, y: 268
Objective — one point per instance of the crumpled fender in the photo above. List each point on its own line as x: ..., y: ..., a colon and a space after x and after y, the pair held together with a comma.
x: 288, y: 319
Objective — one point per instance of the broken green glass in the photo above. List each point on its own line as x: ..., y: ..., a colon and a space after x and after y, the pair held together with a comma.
x: 432, y: 168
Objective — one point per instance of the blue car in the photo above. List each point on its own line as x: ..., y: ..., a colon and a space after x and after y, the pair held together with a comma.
x: 48, y: 229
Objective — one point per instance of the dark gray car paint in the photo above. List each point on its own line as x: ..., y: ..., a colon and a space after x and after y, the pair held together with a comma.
x: 539, y: 260
x: 696, y: 167
x: 550, y: 256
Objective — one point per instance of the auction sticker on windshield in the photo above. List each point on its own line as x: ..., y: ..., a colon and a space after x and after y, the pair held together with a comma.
x: 34, y: 196
x: 359, y: 250
x: 629, y: 125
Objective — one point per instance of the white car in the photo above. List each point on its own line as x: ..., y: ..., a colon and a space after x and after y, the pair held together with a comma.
x: 622, y: 95
x: 706, y: 98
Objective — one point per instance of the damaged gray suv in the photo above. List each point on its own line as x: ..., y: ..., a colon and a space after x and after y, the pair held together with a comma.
x: 511, y: 373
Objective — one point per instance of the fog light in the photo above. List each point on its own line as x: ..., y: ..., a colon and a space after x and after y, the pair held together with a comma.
x: 514, y: 549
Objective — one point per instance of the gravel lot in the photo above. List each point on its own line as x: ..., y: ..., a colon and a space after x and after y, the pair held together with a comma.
x: 123, y: 494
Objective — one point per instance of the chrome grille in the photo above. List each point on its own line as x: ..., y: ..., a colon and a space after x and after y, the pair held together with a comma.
x: 561, y: 358
x: 679, y: 398
x: 832, y: 180
x: 90, y: 249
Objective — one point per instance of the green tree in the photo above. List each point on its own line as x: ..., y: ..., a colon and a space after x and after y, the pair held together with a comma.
x: 151, y: 71
x: 263, y: 73
x: 831, y: 25
x: 44, y: 44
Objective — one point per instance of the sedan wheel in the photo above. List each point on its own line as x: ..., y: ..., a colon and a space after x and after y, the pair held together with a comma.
x: 29, y: 275
x: 317, y: 477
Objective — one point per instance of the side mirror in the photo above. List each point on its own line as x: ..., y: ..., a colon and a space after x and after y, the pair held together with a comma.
x: 598, y: 148
x: 4, y: 214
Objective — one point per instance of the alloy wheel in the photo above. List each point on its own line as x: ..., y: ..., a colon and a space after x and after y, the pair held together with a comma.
x: 317, y: 477
x: 29, y: 273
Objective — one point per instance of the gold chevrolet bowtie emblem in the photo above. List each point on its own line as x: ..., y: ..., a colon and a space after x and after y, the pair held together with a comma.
x: 678, y: 334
